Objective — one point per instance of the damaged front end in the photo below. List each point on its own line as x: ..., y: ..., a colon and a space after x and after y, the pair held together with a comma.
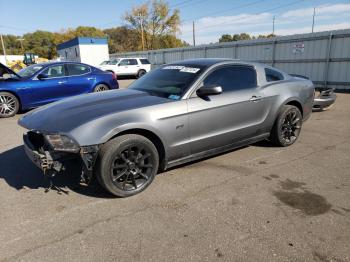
x: 51, y: 152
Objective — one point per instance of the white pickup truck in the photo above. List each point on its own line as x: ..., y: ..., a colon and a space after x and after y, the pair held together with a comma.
x: 127, y: 66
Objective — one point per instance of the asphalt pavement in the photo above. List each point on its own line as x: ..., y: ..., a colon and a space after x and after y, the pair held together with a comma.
x: 257, y: 203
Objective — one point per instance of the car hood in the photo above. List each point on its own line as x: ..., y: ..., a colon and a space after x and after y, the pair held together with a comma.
x: 68, y: 114
x: 8, y: 70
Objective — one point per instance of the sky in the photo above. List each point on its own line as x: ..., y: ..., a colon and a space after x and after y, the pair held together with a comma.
x: 212, y: 17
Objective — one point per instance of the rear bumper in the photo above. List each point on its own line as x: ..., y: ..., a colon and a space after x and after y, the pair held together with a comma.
x: 325, y: 99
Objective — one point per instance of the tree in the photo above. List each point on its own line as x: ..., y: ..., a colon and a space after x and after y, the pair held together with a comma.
x: 242, y: 36
x: 225, y: 38
x: 123, y: 39
x: 40, y: 43
x: 153, y: 21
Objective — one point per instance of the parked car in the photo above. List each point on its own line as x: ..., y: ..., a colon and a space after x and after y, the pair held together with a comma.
x: 44, y: 83
x: 127, y: 66
x: 175, y: 114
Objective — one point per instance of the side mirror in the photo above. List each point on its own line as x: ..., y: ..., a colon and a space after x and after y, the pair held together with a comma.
x: 209, y: 90
x: 42, y: 76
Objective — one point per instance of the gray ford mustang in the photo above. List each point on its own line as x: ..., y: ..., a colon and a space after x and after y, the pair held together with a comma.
x: 177, y: 113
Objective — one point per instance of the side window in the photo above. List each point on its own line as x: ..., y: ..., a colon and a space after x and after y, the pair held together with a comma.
x: 113, y: 62
x: 273, y: 75
x: 232, y: 78
x: 124, y: 62
x: 133, y: 62
x: 55, y: 71
x: 76, y: 69
x: 144, y: 61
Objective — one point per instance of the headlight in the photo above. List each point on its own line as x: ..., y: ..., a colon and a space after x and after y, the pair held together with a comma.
x: 62, y: 143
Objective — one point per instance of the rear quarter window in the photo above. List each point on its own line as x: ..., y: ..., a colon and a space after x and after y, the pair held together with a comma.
x: 273, y: 75
x: 144, y: 61
x: 76, y: 69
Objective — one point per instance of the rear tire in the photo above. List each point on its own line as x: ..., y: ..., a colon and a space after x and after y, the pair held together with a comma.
x: 286, y: 129
x: 101, y: 88
x: 141, y: 73
x: 127, y: 165
x: 9, y: 105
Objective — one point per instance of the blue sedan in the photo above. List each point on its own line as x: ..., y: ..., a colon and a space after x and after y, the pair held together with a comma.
x: 44, y: 83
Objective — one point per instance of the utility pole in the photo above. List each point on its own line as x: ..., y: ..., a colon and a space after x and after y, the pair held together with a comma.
x: 142, y: 39
x: 194, y: 34
x: 273, y: 25
x: 313, y: 20
x: 21, y: 41
x: 3, y: 48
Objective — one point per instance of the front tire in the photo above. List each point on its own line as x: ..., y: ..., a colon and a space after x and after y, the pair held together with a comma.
x: 9, y: 105
x: 127, y: 165
x: 287, y: 127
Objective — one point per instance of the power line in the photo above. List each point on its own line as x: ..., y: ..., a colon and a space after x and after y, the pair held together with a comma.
x: 228, y: 10
x: 190, y: 4
x: 181, y: 3
x: 264, y: 11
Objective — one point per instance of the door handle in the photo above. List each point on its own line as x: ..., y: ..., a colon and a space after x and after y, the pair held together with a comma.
x: 91, y: 78
x: 61, y: 82
x: 255, y: 98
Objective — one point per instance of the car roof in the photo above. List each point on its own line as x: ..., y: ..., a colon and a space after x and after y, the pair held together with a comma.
x: 203, y: 61
x: 45, y: 64
x: 208, y: 62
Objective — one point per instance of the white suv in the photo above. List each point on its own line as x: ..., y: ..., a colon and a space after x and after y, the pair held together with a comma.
x: 127, y: 66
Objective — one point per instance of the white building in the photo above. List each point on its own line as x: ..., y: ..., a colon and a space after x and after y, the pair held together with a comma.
x: 92, y: 51
x: 10, y: 58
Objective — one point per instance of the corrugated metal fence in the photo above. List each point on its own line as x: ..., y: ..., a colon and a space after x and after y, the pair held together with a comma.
x: 324, y: 57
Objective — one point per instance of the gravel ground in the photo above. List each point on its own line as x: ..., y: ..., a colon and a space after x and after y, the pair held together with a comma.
x: 258, y: 203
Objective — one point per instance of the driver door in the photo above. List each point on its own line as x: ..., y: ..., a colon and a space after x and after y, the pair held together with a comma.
x: 51, y: 88
x: 235, y: 115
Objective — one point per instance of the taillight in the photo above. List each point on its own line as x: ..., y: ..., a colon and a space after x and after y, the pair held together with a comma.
x: 114, y: 76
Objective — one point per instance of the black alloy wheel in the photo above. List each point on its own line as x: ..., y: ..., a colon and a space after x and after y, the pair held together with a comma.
x: 127, y: 165
x: 287, y: 127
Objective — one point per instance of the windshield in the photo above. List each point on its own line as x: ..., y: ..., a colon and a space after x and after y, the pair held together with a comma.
x: 170, y: 81
x: 29, y: 71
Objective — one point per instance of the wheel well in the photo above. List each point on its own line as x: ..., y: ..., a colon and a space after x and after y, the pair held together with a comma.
x: 13, y: 93
x: 296, y: 104
x: 153, y: 138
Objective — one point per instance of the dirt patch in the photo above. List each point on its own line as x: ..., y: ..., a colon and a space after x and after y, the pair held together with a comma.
x: 346, y: 209
x: 218, y: 253
x: 291, y: 185
x: 274, y: 176
x: 309, y: 203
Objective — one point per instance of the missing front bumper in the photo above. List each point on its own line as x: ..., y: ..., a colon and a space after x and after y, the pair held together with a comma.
x: 54, y: 162
x: 45, y: 160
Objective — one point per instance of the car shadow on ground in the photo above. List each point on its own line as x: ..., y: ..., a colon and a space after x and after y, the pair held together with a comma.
x: 19, y: 173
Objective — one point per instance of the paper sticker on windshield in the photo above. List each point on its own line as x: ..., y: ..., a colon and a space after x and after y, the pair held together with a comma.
x: 174, y: 97
x: 190, y: 70
x: 173, y: 67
